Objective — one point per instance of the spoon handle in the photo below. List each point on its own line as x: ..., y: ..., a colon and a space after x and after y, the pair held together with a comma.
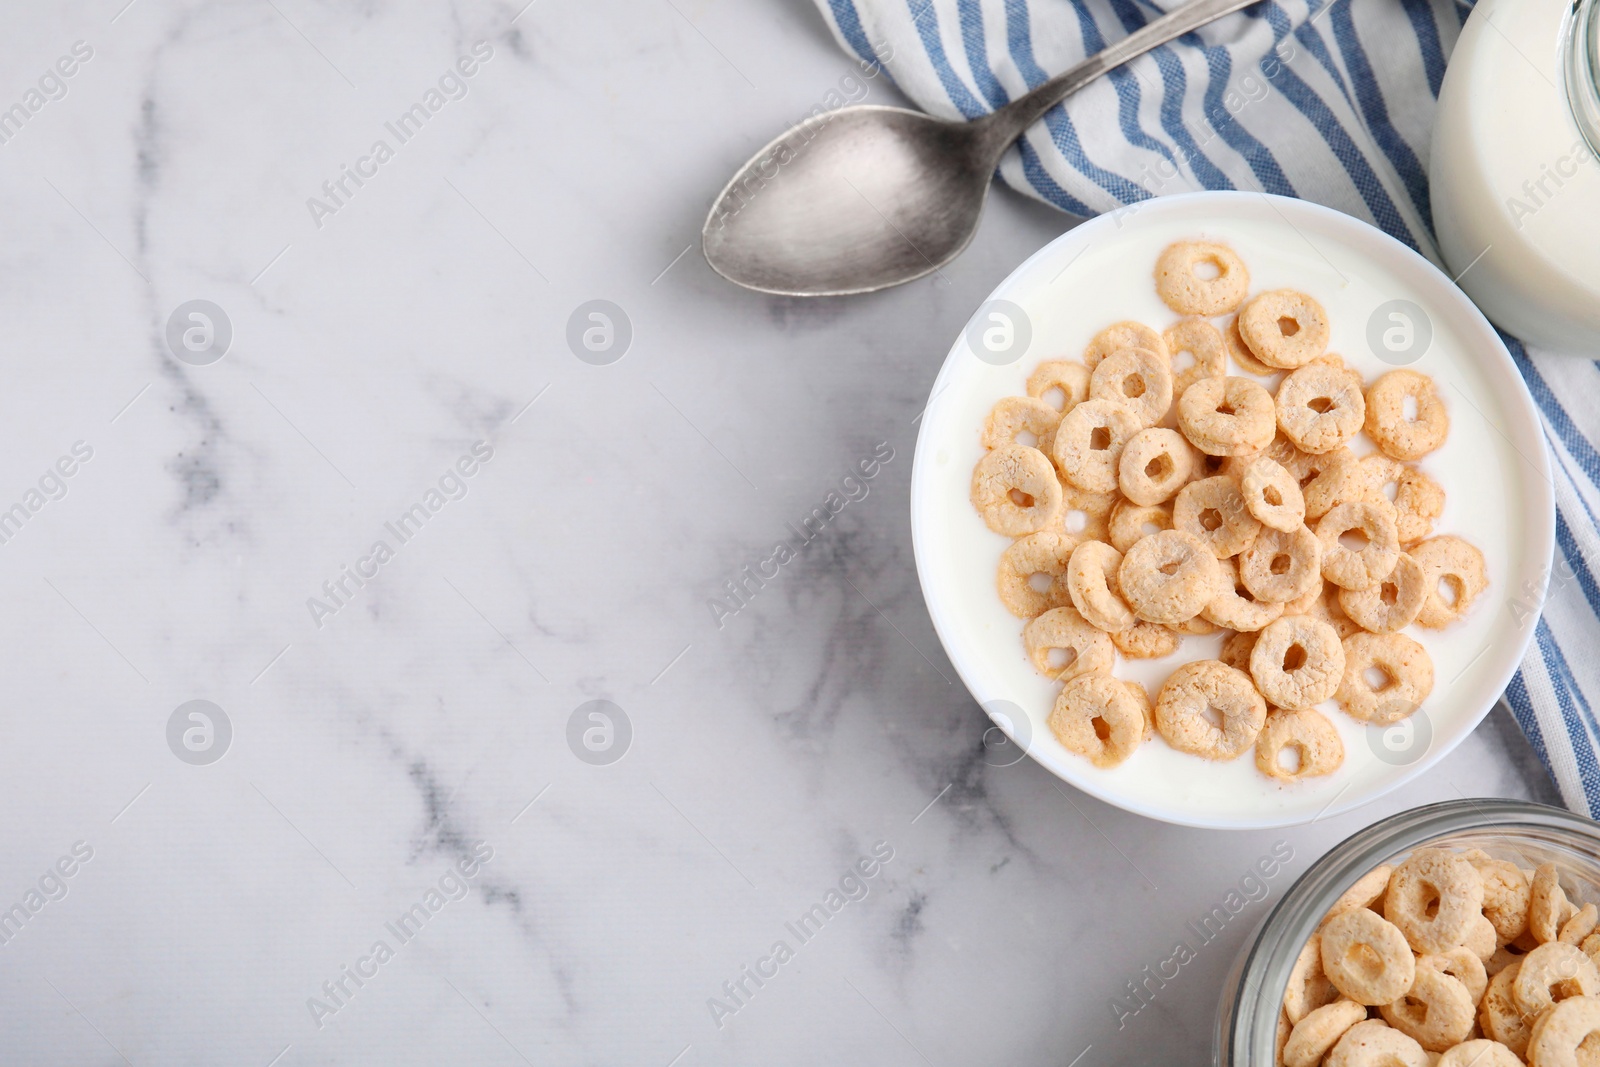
x: 1007, y: 124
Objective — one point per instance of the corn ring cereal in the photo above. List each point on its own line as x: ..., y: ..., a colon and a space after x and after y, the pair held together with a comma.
x: 1184, y: 288
x: 1203, y: 686
x: 1138, y: 379
x: 1039, y: 556
x: 1272, y: 494
x: 1285, y: 328
x: 1066, y: 378
x: 1089, y: 442
x: 1119, y: 336
x: 1098, y: 717
x: 1203, y: 342
x: 1366, y: 957
x: 1397, y: 434
x: 1154, y: 465
x: 1091, y: 582
x: 1168, y: 577
x: 1227, y: 416
x: 1016, y: 491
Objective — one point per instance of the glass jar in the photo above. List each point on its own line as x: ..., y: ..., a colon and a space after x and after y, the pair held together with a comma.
x: 1528, y: 834
x: 1514, y: 170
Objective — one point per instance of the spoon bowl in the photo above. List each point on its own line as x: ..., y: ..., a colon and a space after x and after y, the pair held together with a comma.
x: 850, y: 201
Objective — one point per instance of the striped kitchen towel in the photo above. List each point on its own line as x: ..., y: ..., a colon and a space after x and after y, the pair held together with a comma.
x: 1329, y: 101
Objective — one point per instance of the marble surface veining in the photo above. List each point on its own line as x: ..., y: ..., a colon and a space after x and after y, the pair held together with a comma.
x: 400, y: 763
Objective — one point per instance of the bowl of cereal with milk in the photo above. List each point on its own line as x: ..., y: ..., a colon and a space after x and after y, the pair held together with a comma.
x: 1231, y: 510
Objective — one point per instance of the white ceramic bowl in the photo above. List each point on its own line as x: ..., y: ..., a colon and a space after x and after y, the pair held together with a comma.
x: 1493, y: 467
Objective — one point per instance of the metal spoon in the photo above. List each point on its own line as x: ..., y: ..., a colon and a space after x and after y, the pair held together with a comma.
x: 863, y: 198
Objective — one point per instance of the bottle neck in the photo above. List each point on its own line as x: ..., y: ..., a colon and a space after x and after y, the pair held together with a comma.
x: 1582, y: 55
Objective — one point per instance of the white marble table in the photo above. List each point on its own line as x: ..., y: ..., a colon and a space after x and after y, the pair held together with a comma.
x: 384, y: 736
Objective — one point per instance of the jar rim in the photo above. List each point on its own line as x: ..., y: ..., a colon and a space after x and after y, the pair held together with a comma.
x: 1581, y: 60
x: 1247, y: 1026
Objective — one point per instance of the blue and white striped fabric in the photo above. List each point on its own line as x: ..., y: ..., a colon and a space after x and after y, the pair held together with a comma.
x: 1329, y: 101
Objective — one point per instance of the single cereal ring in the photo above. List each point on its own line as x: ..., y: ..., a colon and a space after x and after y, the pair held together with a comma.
x: 1247, y: 360
x: 1379, y: 551
x: 1138, y: 379
x: 1501, y: 1018
x: 1464, y: 966
x: 1235, y: 607
x: 1155, y: 464
x: 1563, y: 1037
x: 1083, y: 649
x: 1453, y: 565
x: 1298, y: 662
x: 1272, y: 494
x: 1098, y: 717
x: 1147, y: 640
x: 1130, y: 523
x: 1375, y: 1043
x: 1387, y: 424
x: 1321, y: 407
x: 1417, y: 498
x: 1319, y: 1031
x: 1308, y: 988
x: 1309, y: 735
x: 1432, y: 896
x: 1066, y: 378
x: 1279, y: 567
x: 1554, y: 972
x: 1089, y: 441
x: 1365, y: 893
x: 1576, y: 929
x: 1227, y: 416
x: 1085, y: 516
x: 1207, y: 686
x: 1392, y: 604
x: 1183, y: 289
x: 1366, y: 957
x: 1168, y: 577
x: 1284, y: 328
x: 1236, y: 650
x: 1407, y: 672
x: 1204, y: 344
x: 1506, y: 896
x: 1436, y: 1012
x: 1091, y: 581
x: 1119, y: 336
x: 1480, y: 1052
x: 1021, y: 420
x: 1016, y: 491
x: 1040, y: 557
x: 1213, y: 511
x: 1548, y: 906
x: 1282, y: 1041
